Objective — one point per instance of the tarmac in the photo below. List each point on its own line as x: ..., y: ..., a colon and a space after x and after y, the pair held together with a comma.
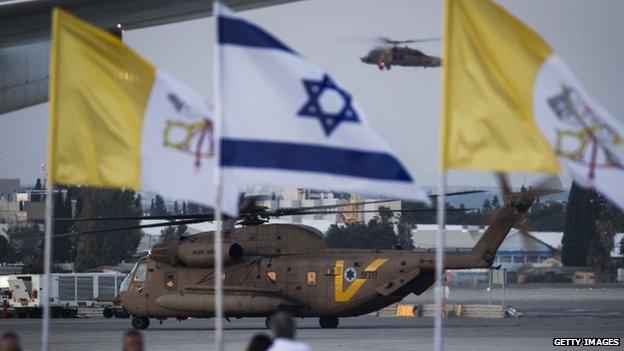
x: 548, y: 312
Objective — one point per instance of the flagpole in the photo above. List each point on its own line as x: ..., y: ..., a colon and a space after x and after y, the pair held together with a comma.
x: 218, y: 233
x: 47, y: 268
x: 439, y: 268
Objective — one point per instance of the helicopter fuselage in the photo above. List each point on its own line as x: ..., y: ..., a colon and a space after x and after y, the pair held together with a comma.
x: 275, y: 267
x: 386, y: 57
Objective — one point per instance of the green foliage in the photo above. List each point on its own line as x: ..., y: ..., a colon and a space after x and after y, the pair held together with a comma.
x: 487, y: 205
x: 157, y: 207
x: 495, y: 202
x: 582, y: 211
x: 377, y: 234
x: 62, y: 246
x: 6, y: 251
x: 173, y: 233
x: 546, y: 217
x: 95, y: 250
x: 27, y: 247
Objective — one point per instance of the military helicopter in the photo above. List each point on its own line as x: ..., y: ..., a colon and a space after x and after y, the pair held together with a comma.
x: 391, y: 54
x: 272, y: 267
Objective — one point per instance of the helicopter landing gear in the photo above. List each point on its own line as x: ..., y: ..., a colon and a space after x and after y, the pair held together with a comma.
x: 139, y: 322
x: 328, y: 322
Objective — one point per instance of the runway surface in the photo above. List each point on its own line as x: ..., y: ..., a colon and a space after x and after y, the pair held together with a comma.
x: 548, y: 312
x: 362, y: 333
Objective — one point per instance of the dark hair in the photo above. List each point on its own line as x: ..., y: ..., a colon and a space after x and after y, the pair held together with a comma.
x: 11, y: 335
x: 131, y: 333
x: 283, y: 325
x: 259, y: 342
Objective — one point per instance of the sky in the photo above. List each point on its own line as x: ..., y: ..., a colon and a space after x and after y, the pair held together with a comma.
x: 402, y: 104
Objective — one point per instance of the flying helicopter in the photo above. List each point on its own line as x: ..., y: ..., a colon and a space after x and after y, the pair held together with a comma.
x: 392, y: 54
x: 272, y: 267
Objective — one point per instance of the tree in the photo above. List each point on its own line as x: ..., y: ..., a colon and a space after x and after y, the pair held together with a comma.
x: 579, y: 232
x: 377, y: 234
x: 173, y: 233
x: 176, y: 209
x: 487, y: 205
x: 599, y: 255
x: 495, y: 202
x: 159, y: 208
x: 138, y: 203
x: 38, y: 184
x: 27, y: 243
x: 184, y: 208
x: 107, y: 248
x: 6, y: 251
x: 62, y: 246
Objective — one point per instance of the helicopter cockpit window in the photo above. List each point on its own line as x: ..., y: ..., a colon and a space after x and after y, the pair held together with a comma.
x: 141, y: 273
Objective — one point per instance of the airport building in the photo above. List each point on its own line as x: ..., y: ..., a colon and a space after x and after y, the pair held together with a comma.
x: 519, y: 248
x: 301, y: 197
x: 20, y: 205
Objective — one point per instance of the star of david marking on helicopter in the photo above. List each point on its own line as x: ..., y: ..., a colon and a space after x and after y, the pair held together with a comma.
x: 350, y: 274
x: 313, y: 108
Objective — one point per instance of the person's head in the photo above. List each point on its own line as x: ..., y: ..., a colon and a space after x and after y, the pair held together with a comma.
x: 259, y: 342
x: 132, y: 341
x: 9, y: 341
x: 283, y: 325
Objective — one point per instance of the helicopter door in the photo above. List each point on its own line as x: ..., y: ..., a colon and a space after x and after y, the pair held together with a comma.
x: 139, y: 277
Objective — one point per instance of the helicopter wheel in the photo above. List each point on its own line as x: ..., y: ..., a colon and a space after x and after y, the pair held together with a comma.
x: 328, y: 322
x: 139, y: 322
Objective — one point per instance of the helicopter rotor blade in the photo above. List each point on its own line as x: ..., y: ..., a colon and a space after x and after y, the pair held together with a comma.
x: 387, y: 40
x: 206, y: 217
x: 119, y: 229
x: 384, y: 211
x: 287, y: 211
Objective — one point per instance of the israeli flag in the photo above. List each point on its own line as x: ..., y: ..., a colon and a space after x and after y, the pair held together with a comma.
x: 285, y: 122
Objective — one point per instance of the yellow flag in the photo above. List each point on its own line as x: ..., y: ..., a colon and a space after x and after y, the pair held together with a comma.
x: 116, y: 121
x: 98, y: 93
x: 490, y: 63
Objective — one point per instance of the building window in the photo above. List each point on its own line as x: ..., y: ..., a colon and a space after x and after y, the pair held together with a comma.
x: 312, y: 278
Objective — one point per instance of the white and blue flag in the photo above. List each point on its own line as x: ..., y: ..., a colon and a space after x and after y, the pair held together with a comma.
x: 285, y: 122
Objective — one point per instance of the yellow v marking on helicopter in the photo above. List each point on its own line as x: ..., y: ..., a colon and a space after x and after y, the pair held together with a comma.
x: 346, y: 295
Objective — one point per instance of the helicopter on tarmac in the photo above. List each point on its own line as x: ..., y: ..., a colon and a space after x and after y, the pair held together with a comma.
x: 392, y: 54
x: 273, y: 267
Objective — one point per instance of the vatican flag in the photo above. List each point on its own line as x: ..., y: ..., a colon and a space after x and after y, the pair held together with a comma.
x: 117, y: 121
x: 511, y: 104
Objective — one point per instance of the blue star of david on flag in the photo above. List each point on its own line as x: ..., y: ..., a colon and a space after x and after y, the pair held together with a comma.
x: 312, y: 108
